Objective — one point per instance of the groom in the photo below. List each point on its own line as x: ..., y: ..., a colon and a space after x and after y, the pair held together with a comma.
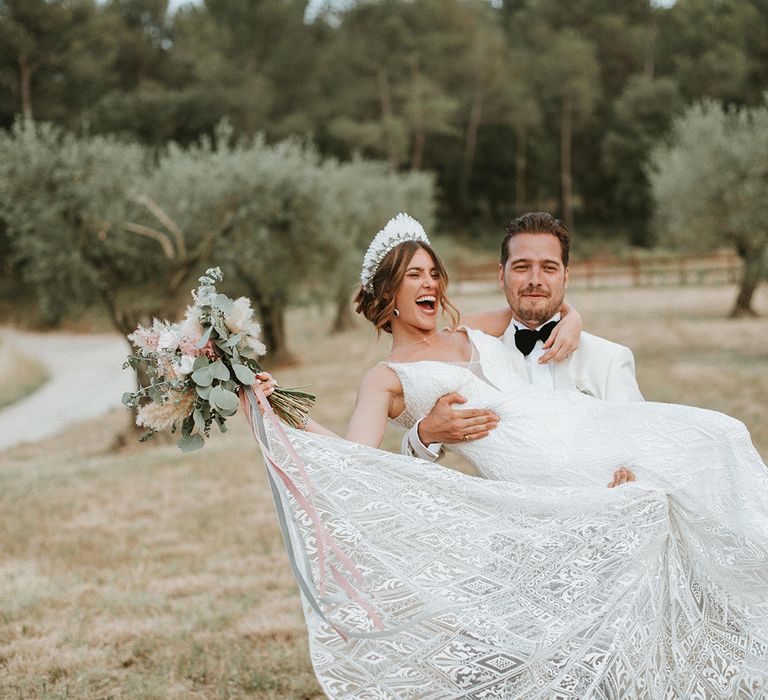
x: 533, y: 272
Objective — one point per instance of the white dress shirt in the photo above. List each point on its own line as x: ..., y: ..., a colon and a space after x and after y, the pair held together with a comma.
x: 538, y: 374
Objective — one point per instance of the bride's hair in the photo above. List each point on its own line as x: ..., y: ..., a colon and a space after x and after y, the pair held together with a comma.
x: 379, y: 305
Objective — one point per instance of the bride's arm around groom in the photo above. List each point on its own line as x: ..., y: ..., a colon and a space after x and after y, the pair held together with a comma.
x: 533, y: 273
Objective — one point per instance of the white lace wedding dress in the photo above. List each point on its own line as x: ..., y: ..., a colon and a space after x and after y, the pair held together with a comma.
x: 536, y: 582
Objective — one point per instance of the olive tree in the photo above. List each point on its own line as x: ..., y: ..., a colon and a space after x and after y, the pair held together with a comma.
x: 256, y: 208
x: 709, y: 187
x: 61, y: 198
x: 93, y: 219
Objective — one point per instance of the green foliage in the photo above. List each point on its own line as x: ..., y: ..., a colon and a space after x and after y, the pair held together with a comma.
x: 514, y: 104
x: 709, y: 186
x: 643, y: 114
x: 63, y: 199
x: 711, y: 48
x: 93, y: 219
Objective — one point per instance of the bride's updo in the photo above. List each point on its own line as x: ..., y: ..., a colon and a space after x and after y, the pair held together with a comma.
x: 378, y: 305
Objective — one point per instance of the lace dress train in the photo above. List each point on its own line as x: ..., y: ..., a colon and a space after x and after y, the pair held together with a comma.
x: 537, y: 581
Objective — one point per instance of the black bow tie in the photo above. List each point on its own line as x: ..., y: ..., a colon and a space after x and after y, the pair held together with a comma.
x: 525, y: 338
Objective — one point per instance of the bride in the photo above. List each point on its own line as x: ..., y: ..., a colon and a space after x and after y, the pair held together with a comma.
x: 536, y: 582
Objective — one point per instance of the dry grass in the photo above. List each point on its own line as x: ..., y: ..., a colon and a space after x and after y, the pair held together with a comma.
x: 153, y: 574
x: 20, y: 374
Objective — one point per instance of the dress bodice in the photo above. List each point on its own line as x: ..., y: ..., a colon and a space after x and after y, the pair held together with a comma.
x: 482, y: 380
x: 548, y: 437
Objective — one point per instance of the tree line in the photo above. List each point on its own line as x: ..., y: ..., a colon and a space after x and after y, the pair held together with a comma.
x: 141, y: 146
x: 515, y: 104
x: 95, y: 220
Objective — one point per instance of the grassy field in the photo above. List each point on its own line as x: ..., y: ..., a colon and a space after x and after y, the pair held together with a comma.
x: 20, y: 374
x: 152, y: 574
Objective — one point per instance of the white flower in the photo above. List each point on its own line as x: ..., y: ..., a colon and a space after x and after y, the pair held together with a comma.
x: 169, y: 339
x: 238, y: 318
x: 251, y: 346
x: 183, y: 365
x: 190, y: 327
x: 258, y: 347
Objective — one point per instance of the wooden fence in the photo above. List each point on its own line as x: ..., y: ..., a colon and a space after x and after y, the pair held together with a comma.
x: 645, y: 271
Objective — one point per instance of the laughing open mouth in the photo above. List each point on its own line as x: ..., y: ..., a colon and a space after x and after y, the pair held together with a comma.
x: 427, y: 302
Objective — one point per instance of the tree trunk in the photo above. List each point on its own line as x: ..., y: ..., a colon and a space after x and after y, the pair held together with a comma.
x: 385, y: 99
x: 566, y: 131
x: 25, y: 78
x: 272, y: 313
x: 419, y: 132
x: 754, y: 271
x: 649, y: 65
x: 344, y: 320
x: 419, y: 139
x: 520, y: 164
x: 470, y: 146
x: 125, y: 323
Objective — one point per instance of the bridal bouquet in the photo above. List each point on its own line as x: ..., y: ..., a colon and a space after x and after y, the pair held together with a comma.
x: 196, y: 367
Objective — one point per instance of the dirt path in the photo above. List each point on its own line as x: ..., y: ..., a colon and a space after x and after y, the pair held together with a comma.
x: 86, y: 380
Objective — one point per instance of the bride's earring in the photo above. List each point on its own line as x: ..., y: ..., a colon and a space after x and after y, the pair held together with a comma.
x: 395, y: 313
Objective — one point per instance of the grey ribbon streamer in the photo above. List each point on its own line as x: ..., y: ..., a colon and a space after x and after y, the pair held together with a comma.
x: 306, y: 585
x: 287, y: 521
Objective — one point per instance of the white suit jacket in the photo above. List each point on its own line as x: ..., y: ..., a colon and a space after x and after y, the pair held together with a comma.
x: 599, y: 367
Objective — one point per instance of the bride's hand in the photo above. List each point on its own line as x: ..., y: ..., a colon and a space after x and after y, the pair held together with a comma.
x: 565, y: 336
x: 266, y: 382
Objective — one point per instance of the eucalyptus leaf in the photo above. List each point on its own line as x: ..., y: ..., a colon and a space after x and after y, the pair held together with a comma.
x: 224, y: 302
x: 128, y: 399
x: 243, y: 374
x: 187, y: 425
x: 189, y: 443
x: 200, y: 361
x: 203, y: 376
x: 205, y: 337
x: 223, y: 400
x: 203, y: 391
x: 197, y: 417
x: 219, y: 371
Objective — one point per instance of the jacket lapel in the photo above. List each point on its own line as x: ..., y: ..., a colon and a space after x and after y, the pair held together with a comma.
x: 561, y: 372
x: 516, y: 358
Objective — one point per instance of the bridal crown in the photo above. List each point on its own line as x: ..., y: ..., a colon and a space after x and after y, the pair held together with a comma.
x: 398, y: 230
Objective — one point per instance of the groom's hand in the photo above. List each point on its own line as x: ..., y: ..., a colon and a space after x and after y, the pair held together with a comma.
x: 448, y: 425
x: 621, y: 476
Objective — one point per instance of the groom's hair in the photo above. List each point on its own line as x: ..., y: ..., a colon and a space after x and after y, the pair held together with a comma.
x: 537, y: 222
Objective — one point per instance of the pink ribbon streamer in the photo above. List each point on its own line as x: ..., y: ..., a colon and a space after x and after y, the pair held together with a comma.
x: 325, y: 540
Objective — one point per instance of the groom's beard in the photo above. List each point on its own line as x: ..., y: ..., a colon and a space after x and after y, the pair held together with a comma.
x: 535, y: 311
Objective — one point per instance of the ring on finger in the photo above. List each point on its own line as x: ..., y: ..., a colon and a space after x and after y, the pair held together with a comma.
x: 465, y: 438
